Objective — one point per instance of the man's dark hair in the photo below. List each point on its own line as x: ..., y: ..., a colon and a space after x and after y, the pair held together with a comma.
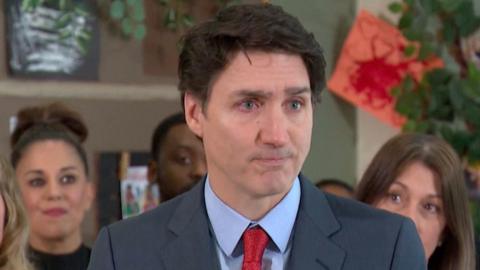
x: 334, y: 182
x: 161, y: 132
x: 208, y: 47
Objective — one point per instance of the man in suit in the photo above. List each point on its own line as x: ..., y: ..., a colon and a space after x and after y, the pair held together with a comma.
x: 249, y: 81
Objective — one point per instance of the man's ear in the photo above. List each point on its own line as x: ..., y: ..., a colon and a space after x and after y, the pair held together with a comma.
x: 152, y: 171
x: 194, y: 114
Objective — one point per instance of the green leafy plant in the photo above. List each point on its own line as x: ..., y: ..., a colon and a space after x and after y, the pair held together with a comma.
x: 71, y: 21
x: 446, y: 102
x: 176, y: 15
x: 130, y: 16
x: 126, y: 16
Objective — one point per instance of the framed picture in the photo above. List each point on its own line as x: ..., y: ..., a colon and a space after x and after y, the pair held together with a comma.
x: 47, y: 43
x: 123, y: 189
x: 137, y: 194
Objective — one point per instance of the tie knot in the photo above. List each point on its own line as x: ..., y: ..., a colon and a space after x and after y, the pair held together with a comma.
x: 255, y: 241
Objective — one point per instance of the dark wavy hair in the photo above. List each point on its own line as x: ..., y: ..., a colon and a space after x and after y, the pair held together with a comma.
x: 208, y: 47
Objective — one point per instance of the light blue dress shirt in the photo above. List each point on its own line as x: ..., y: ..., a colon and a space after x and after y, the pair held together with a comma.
x: 228, y: 226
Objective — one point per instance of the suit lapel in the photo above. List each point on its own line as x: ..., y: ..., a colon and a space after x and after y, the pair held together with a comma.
x: 193, y: 246
x: 312, y: 246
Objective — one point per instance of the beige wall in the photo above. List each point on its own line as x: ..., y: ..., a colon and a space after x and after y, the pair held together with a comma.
x: 332, y: 153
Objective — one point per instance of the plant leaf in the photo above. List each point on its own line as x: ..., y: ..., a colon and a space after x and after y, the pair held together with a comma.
x: 455, y: 94
x: 449, y: 32
x: 450, y: 6
x: 396, y: 91
x: 395, y: 7
x: 409, y: 50
x: 140, y: 32
x: 188, y: 21
x: 127, y: 27
x: 117, y: 9
x: 406, y: 20
x: 138, y: 13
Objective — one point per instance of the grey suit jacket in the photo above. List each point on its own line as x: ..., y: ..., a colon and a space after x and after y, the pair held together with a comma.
x: 330, y: 233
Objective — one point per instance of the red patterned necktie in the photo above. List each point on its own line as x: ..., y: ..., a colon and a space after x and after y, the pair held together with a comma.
x: 255, y: 241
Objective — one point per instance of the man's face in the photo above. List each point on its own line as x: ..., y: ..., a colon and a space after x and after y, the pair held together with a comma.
x: 181, y: 163
x: 256, y: 126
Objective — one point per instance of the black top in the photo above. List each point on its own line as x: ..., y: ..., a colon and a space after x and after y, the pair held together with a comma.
x: 77, y: 260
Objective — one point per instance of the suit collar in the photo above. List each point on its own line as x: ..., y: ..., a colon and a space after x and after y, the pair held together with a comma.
x: 312, y: 245
x: 193, y: 246
x: 316, y: 224
x: 228, y: 225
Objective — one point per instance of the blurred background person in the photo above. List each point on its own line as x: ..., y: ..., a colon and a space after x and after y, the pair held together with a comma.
x: 177, y: 157
x: 13, y: 225
x: 52, y: 172
x: 420, y: 176
x: 336, y: 187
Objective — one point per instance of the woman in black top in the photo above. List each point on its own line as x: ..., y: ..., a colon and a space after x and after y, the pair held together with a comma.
x: 78, y: 260
x: 51, y: 169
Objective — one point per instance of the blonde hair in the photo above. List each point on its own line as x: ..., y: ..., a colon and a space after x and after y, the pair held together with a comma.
x: 13, y: 248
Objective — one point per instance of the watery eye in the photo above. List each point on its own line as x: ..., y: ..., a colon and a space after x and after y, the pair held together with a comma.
x: 296, y: 105
x: 185, y: 160
x: 248, y: 105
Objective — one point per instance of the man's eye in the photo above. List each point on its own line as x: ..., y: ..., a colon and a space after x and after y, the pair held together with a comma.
x: 296, y: 105
x: 36, y: 182
x: 68, y: 179
x: 184, y: 160
x: 248, y: 105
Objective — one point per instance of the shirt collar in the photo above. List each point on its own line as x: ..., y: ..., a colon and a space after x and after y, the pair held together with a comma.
x: 229, y: 225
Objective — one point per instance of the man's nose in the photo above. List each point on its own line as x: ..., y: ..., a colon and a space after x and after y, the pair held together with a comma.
x: 273, y: 128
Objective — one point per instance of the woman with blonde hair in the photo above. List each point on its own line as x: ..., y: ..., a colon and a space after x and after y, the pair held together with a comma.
x: 13, y: 225
x: 420, y: 176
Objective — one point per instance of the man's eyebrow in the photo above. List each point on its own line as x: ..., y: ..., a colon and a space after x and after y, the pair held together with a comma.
x: 293, y: 91
x: 252, y: 93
